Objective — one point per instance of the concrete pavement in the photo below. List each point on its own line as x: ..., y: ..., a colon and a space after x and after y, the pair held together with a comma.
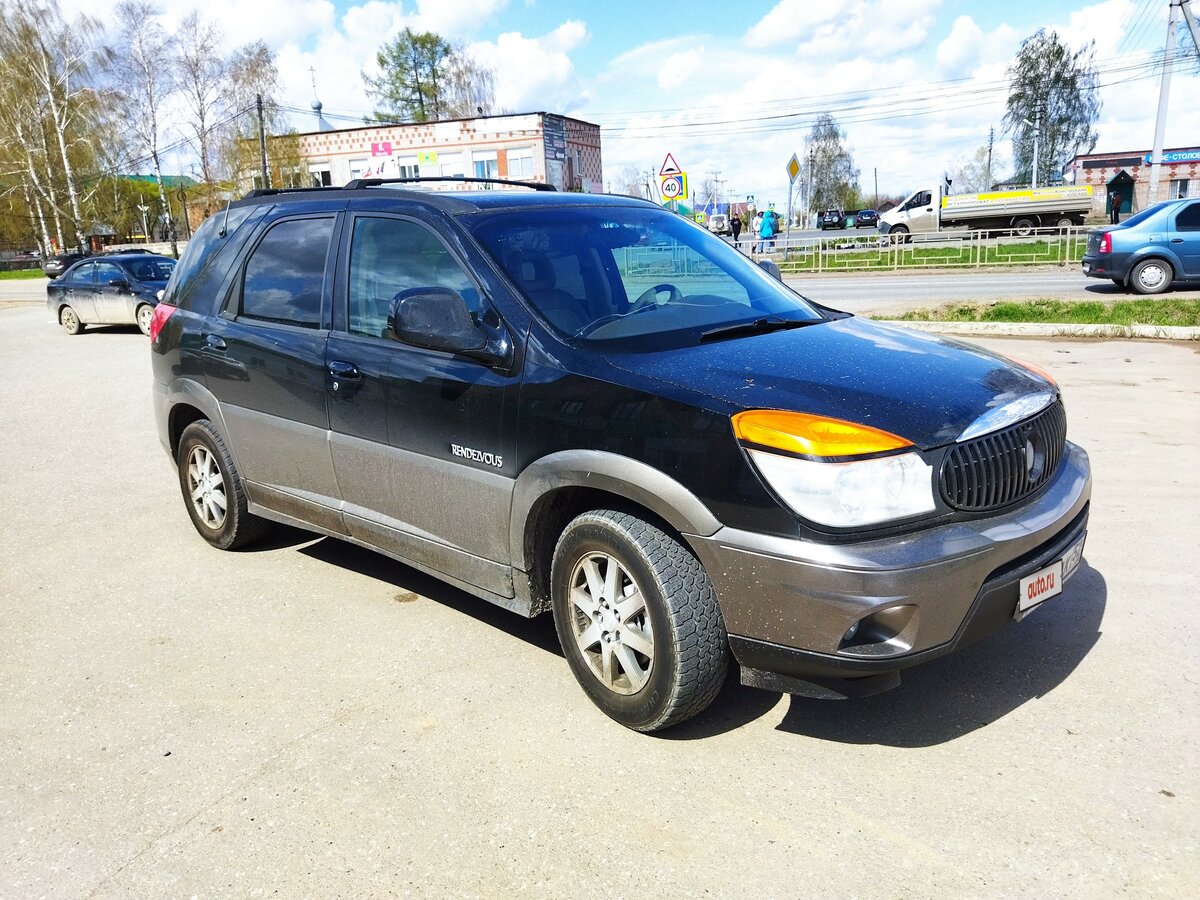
x: 310, y: 719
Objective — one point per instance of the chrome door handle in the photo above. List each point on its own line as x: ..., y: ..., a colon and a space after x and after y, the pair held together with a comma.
x: 339, y: 369
x: 215, y: 342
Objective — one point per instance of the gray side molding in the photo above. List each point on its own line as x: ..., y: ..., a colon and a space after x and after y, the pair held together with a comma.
x: 619, y: 475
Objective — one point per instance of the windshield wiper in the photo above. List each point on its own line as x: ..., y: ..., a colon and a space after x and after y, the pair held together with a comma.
x: 757, y: 326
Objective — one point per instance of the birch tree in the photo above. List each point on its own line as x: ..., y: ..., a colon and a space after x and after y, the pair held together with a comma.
x: 144, y: 78
x: 202, y: 80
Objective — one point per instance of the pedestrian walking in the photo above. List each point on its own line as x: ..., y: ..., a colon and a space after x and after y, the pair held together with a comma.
x: 1115, y: 214
x: 766, y: 232
x: 736, y: 225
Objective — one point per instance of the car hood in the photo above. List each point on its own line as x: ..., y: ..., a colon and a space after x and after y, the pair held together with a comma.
x: 922, y: 387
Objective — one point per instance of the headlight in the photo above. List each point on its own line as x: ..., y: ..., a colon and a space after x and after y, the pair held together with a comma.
x: 846, y: 494
x: 818, y: 476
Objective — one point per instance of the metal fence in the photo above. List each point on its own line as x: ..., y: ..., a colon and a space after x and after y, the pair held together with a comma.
x: 944, y: 250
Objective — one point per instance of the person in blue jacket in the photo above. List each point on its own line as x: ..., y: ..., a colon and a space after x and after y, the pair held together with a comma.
x: 766, y: 231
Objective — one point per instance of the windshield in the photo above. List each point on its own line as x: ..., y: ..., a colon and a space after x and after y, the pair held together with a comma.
x: 627, y: 272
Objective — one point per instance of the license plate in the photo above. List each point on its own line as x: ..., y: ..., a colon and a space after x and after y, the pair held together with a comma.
x: 1048, y: 582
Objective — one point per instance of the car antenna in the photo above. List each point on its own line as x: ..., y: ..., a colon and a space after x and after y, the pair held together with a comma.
x: 225, y: 223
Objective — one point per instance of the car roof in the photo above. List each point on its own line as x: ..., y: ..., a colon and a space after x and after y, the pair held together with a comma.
x: 452, y: 202
x: 137, y: 256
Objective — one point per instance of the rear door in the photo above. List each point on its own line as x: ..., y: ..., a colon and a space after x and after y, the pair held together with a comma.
x: 265, y: 363
x: 1185, y: 238
x: 77, y: 288
x: 422, y: 440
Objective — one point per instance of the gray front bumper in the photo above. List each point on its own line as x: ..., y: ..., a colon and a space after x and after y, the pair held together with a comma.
x: 804, y: 595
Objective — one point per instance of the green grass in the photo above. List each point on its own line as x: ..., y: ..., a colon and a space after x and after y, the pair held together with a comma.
x: 1066, y: 312
x: 6, y: 275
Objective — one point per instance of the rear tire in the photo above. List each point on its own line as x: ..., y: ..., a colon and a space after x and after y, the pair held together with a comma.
x: 638, y: 620
x: 212, y: 489
x: 1151, y: 276
x: 145, y: 313
x: 69, y: 320
x: 1064, y: 222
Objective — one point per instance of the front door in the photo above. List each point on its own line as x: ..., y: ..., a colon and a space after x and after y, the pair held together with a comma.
x: 922, y: 216
x: 264, y: 360
x: 112, y: 301
x: 422, y: 440
x: 1185, y: 239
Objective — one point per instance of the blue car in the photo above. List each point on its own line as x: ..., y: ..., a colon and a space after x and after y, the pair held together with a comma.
x: 116, y: 289
x: 1148, y: 250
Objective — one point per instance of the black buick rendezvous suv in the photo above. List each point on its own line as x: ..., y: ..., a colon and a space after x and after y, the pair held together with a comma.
x: 590, y: 406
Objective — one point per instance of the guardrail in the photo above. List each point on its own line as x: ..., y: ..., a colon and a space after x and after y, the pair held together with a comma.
x: 943, y: 250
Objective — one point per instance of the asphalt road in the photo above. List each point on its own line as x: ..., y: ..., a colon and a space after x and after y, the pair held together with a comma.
x: 310, y: 719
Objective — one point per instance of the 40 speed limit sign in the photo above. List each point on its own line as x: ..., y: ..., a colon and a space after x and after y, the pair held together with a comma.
x: 674, y: 187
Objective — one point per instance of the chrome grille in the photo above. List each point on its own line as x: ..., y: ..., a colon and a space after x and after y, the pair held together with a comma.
x: 997, y: 469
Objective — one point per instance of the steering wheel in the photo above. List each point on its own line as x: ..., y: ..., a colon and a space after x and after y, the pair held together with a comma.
x: 650, y: 295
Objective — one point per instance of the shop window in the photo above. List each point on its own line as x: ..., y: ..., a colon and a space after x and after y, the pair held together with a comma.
x: 1179, y: 188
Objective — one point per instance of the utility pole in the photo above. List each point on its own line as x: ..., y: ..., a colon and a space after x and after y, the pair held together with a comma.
x: 145, y: 228
x: 262, y: 141
x: 1164, y: 93
x: 1037, y: 134
x: 1186, y: 8
x: 876, y: 171
x: 987, y: 182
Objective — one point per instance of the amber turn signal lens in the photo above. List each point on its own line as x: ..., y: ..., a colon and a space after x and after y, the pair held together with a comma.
x: 812, y: 435
x: 1036, y: 370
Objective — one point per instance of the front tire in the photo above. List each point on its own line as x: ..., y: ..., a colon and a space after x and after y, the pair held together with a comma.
x: 1024, y: 227
x: 212, y: 489
x: 1151, y: 276
x: 638, y: 620
x: 70, y: 321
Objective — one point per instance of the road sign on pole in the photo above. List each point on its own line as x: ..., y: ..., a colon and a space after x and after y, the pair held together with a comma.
x: 670, y: 167
x: 674, y: 187
x: 793, y: 170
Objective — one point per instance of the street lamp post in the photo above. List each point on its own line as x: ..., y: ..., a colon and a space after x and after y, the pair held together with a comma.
x: 145, y: 228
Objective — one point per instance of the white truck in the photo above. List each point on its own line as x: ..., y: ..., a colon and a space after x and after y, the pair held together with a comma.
x: 932, y: 210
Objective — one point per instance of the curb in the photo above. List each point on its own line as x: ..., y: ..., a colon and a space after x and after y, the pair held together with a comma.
x: 1038, y: 329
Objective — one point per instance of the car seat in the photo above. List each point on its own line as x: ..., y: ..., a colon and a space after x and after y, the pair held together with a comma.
x: 534, y: 275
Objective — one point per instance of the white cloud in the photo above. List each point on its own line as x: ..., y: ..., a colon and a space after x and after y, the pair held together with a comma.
x: 535, y: 73
x: 790, y: 20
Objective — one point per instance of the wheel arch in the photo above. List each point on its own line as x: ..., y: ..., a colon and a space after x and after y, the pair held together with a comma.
x: 188, y: 403
x: 556, y: 488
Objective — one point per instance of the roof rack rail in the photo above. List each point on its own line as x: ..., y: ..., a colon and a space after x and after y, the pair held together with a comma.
x: 357, y: 183
x: 269, y: 192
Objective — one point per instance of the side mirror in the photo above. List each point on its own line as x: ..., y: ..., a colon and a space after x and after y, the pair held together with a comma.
x: 770, y: 267
x: 119, y: 283
x: 437, y: 318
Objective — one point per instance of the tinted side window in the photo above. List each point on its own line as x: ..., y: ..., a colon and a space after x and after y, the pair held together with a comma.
x: 286, y: 272
x: 83, y: 273
x: 388, y: 256
x: 183, y: 289
x: 106, y: 272
x: 1189, y: 218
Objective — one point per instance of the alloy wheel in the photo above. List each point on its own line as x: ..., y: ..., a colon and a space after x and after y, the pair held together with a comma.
x: 611, y: 624
x: 206, y: 487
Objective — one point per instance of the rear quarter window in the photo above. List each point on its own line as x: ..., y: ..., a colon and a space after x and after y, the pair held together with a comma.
x: 193, y: 285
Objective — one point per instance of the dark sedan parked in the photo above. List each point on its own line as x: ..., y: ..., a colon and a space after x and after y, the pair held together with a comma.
x: 113, y: 290
x: 866, y: 218
x: 55, y: 265
x: 1148, y: 250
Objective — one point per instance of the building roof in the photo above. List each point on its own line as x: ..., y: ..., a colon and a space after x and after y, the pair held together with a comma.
x: 375, y: 126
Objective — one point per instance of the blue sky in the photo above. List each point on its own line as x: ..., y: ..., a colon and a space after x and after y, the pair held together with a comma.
x: 732, y: 87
